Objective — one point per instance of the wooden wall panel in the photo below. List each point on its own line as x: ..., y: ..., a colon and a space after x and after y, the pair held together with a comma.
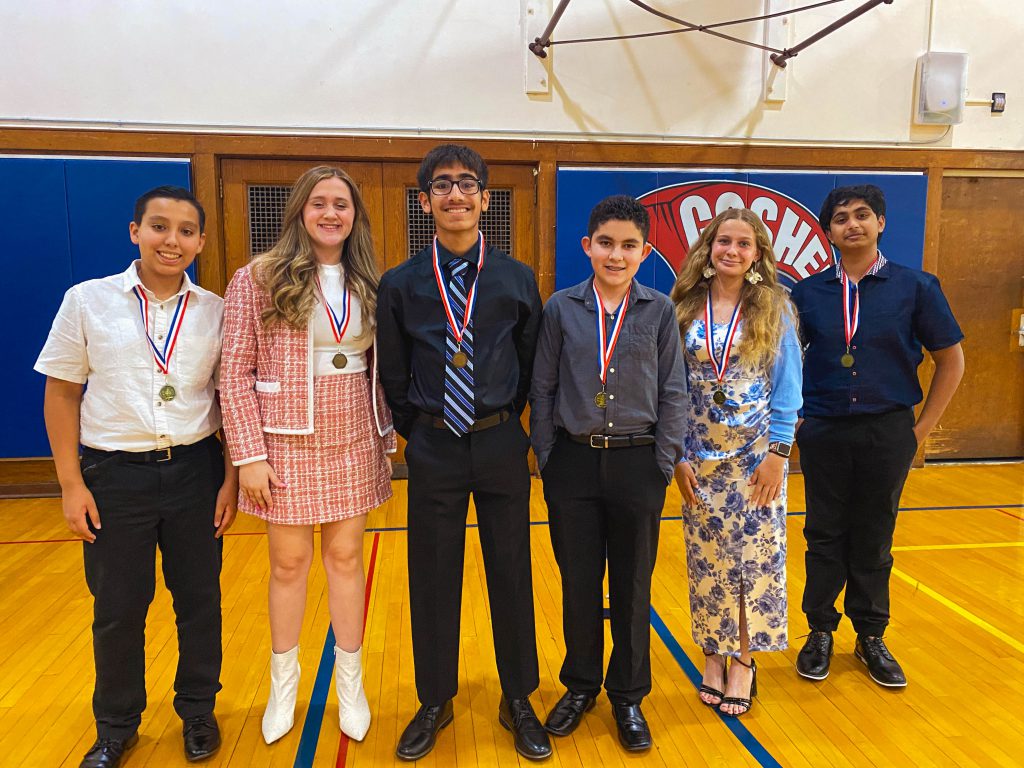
x: 981, y: 264
x: 209, y: 152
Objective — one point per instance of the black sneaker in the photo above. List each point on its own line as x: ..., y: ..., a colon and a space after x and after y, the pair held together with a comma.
x: 815, y: 657
x: 882, y: 667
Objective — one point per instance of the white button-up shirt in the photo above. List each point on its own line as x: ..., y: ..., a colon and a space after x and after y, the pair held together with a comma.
x: 98, y: 338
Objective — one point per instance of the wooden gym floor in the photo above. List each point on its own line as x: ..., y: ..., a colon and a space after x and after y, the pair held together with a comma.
x: 958, y: 629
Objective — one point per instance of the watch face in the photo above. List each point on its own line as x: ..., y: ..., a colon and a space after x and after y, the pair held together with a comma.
x: 780, y: 448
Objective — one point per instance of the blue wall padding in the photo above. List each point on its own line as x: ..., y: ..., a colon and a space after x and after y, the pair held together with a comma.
x: 64, y: 220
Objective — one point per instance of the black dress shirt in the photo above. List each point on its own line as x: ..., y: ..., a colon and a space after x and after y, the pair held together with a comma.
x: 412, y: 327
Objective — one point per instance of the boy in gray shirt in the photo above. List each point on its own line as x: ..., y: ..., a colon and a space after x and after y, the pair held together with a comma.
x: 608, y: 414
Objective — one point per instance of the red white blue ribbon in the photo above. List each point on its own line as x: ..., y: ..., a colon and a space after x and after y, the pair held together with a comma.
x: 851, y: 312
x: 605, y: 343
x: 163, y: 356
x: 720, y: 366
x: 442, y: 288
x: 338, y: 324
x: 851, y: 315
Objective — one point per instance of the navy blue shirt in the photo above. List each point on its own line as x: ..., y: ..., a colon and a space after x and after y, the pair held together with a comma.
x: 901, y: 311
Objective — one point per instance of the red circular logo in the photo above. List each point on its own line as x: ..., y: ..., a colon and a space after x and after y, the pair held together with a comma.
x: 679, y: 212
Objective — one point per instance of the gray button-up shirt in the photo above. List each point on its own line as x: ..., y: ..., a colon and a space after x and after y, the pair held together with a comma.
x: 646, y: 382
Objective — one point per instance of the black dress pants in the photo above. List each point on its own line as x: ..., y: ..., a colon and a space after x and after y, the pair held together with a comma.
x: 854, y: 469
x: 143, y: 506
x: 605, y: 503
x: 443, y: 471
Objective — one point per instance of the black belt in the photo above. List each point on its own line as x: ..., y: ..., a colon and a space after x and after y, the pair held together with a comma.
x: 500, y: 417
x: 613, y: 441
x: 147, y: 457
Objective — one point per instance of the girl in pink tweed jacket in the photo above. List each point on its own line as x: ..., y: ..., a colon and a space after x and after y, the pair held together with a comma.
x: 307, y: 424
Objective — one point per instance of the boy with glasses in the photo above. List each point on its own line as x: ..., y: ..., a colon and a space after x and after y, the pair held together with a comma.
x: 457, y: 327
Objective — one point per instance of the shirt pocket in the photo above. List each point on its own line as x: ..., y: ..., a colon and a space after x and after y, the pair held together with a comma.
x: 122, y: 345
x: 643, y: 344
x: 197, y: 358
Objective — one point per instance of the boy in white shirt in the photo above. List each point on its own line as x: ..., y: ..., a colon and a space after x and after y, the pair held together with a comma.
x: 151, y: 473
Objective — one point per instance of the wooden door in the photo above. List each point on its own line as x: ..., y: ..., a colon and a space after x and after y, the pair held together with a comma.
x: 255, y: 192
x: 981, y: 265
x: 508, y: 222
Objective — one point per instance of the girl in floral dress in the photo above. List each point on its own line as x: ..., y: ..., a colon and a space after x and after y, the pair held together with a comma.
x: 744, y: 384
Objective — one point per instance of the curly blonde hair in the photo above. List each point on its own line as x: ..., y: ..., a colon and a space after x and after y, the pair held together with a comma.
x: 767, y: 308
x: 287, y: 272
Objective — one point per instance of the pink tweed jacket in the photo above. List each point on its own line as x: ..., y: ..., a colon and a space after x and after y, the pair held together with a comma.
x: 266, y: 379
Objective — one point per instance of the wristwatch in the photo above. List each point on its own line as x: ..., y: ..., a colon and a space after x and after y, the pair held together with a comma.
x: 780, y: 448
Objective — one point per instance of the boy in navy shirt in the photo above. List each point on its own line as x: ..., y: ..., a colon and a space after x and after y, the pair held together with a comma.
x: 863, y: 322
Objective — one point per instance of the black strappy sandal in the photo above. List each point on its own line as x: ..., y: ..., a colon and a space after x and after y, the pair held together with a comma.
x: 714, y: 691
x: 736, y: 701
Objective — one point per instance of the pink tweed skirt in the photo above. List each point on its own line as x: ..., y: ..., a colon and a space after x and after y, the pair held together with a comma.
x: 339, y: 471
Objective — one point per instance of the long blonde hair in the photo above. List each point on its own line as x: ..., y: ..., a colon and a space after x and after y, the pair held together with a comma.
x: 287, y: 272
x: 767, y: 308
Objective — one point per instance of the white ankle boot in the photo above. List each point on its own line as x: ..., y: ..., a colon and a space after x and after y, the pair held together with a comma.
x: 353, y: 709
x: 284, y: 688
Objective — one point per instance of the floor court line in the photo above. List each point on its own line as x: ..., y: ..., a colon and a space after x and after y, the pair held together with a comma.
x: 393, y: 529
x: 674, y: 518
x: 321, y: 687
x: 938, y: 547
x: 343, y: 740
x: 734, y: 724
x: 1011, y: 514
x: 960, y: 611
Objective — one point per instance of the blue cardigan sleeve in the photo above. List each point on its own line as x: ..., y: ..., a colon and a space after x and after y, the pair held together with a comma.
x: 787, y: 383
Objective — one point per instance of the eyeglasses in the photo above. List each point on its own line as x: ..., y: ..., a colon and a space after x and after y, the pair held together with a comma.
x: 468, y: 185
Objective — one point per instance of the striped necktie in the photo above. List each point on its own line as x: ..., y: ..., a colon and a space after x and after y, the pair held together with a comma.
x: 459, y: 412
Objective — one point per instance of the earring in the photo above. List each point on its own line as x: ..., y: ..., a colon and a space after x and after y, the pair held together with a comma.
x: 753, y: 276
x: 709, y: 272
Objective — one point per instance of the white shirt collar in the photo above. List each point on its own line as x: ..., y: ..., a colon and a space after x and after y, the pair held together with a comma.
x: 130, y: 279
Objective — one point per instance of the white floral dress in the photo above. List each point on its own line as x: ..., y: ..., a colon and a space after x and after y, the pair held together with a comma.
x: 732, y: 547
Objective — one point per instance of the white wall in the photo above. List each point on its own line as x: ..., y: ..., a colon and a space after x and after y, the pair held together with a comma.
x: 456, y: 67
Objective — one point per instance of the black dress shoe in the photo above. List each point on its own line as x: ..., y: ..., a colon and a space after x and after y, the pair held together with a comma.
x: 567, y: 713
x: 420, y: 734
x: 202, y: 737
x: 107, y: 753
x: 882, y: 667
x: 815, y: 657
x: 634, y: 734
x: 531, y: 739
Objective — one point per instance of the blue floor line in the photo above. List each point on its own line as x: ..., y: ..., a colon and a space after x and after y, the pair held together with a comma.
x: 734, y: 724
x: 671, y: 518
x: 317, y: 704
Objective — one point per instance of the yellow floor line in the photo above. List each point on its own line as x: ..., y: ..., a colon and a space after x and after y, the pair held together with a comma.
x: 931, y: 547
x: 995, y: 632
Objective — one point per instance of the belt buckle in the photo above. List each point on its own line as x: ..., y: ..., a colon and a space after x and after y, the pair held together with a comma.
x: 166, y: 457
x: 598, y: 437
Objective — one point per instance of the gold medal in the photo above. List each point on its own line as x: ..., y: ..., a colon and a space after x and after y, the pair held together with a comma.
x: 719, y: 397
x: 339, y: 360
x: 167, y: 393
x: 601, y: 399
x: 846, y: 360
x: 460, y: 359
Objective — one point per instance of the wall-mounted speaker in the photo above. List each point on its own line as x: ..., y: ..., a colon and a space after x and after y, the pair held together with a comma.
x: 941, y: 88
